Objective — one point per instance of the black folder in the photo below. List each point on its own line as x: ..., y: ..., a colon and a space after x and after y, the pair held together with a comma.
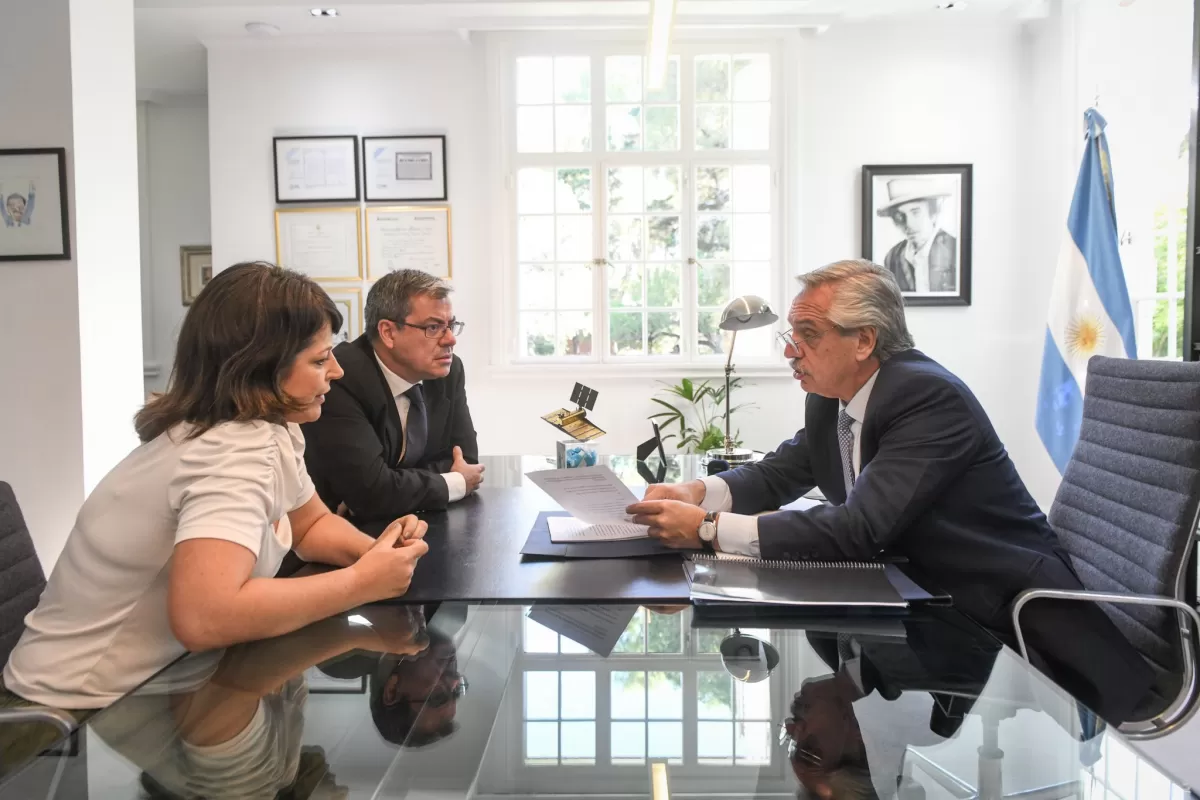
x: 539, y: 544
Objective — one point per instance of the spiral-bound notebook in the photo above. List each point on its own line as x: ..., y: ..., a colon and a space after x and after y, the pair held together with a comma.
x: 845, y: 584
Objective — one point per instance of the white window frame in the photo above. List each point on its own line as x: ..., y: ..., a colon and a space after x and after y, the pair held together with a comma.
x: 506, y: 357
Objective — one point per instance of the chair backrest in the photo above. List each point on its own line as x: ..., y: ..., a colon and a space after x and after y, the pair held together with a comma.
x: 1127, y: 507
x: 21, y: 576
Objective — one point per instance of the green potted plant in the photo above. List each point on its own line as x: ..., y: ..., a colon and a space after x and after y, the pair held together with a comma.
x: 697, y: 415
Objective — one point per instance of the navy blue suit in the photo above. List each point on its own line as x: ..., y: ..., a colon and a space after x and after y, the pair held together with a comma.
x: 937, y: 487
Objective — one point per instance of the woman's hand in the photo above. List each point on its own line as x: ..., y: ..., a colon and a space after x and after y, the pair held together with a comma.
x: 386, y: 569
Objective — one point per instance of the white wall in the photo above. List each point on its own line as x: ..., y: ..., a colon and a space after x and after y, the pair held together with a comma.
x: 174, y: 146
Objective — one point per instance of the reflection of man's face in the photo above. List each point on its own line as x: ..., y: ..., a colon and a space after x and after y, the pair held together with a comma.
x: 428, y: 684
x: 16, y: 206
x: 916, y: 220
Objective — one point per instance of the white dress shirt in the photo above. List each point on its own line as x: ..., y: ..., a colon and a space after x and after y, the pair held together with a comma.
x: 738, y: 533
x: 456, y: 484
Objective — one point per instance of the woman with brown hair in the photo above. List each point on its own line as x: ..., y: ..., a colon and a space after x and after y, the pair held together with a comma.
x: 177, y: 547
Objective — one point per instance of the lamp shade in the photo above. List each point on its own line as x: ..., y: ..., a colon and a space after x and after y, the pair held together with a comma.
x: 746, y: 312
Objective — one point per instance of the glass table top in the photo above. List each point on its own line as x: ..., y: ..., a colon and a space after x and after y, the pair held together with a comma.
x: 493, y: 701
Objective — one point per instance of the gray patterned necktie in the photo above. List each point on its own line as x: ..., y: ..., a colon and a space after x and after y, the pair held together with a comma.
x: 416, y: 429
x: 846, y: 440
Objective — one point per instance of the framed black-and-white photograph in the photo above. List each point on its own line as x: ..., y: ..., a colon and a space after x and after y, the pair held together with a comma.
x: 316, y: 169
x: 404, y: 168
x: 916, y: 221
x: 33, y: 205
x: 349, y: 301
x: 195, y: 270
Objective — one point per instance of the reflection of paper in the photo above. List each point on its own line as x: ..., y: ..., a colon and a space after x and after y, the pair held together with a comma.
x: 595, y: 627
x: 591, y: 494
x: 569, y: 529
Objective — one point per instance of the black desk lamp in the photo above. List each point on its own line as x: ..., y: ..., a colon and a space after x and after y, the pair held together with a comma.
x: 742, y: 314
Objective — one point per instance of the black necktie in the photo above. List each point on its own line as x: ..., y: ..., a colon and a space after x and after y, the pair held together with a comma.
x: 416, y: 430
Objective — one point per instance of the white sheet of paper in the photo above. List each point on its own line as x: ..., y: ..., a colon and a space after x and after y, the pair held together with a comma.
x: 569, y: 529
x: 595, y: 627
x: 590, y: 494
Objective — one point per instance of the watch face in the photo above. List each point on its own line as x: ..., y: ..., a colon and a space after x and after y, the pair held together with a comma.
x: 708, y: 531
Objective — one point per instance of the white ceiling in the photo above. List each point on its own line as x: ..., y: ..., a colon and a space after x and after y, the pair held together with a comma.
x: 171, y: 56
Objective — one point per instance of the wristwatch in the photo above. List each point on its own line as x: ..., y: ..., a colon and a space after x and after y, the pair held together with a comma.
x: 708, y: 531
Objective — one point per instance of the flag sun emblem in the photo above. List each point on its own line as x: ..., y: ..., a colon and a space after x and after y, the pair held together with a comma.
x: 1085, y: 336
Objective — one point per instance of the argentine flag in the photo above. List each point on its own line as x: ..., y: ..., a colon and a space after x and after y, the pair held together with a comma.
x: 1090, y: 313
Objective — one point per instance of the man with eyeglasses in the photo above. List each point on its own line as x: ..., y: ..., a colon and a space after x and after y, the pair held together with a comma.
x: 395, y: 435
x: 912, y: 469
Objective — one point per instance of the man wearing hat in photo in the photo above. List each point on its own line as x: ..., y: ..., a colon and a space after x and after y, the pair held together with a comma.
x: 927, y: 259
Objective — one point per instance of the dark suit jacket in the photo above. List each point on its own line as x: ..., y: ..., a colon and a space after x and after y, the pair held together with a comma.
x: 352, y: 450
x: 943, y: 258
x: 938, y: 488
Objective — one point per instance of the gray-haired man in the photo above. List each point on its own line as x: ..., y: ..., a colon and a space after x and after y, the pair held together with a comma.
x: 395, y: 434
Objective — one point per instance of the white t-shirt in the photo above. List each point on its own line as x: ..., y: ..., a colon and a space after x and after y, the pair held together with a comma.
x: 101, y: 627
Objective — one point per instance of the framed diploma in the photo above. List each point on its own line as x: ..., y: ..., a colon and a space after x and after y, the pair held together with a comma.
x: 323, y: 243
x: 310, y: 169
x: 408, y: 237
x: 349, y: 301
x: 404, y: 167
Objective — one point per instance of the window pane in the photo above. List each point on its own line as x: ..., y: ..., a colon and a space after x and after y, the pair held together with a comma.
x: 632, y: 640
x: 628, y: 695
x: 628, y: 742
x: 575, y: 332
x: 1161, y: 335
x: 662, y: 189
x: 579, y: 742
x: 752, y: 187
x: 625, y: 336
x: 709, y: 641
x: 714, y: 740
x: 535, y: 238
x: 753, y: 744
x: 624, y: 127
x: 537, y: 336
x: 572, y: 79
x: 751, y: 77
x: 712, y: 238
x: 666, y: 635
x: 566, y: 645
x: 625, y: 239
x: 575, y: 238
x: 541, y: 695
x: 752, y: 126
x: 712, y: 78
x: 665, y: 740
x: 662, y: 238
x: 625, y: 291
x: 712, y: 189
x: 535, y: 129
x: 752, y: 237
x: 623, y: 79
x: 536, y: 291
x: 575, y: 286
x: 535, y: 191
x: 574, y: 190
x: 753, y: 699
x: 578, y: 695
x: 662, y: 291
x: 662, y: 127
x: 572, y: 129
x: 710, y: 339
x: 714, y: 691
x: 538, y: 638
x: 625, y: 189
x: 669, y: 91
x: 712, y: 127
x: 712, y: 290
x: 664, y: 334
x: 534, y: 80
x: 541, y: 740
x: 757, y: 343
x: 1179, y: 312
x: 665, y: 700
x: 752, y: 278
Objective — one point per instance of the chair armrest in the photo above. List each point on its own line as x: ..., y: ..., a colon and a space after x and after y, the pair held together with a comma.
x: 1095, y: 597
x: 49, y: 716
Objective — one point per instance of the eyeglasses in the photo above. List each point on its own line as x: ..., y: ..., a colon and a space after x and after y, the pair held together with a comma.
x: 436, y: 330
x: 810, y: 340
x: 794, y: 750
x: 440, y: 696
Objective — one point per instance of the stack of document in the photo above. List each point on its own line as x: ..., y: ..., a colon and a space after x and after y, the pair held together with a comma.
x: 596, y: 500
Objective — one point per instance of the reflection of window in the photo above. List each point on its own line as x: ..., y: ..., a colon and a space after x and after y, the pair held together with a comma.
x: 641, y: 211
x: 1120, y: 774
x: 560, y: 718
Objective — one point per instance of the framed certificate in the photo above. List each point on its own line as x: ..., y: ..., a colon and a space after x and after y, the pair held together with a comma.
x: 404, y: 167
x: 310, y: 169
x: 408, y: 237
x: 323, y: 243
x: 349, y: 301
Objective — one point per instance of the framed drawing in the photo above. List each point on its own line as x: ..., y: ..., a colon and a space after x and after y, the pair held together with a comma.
x: 916, y: 221
x: 33, y: 205
x: 408, y: 237
x: 316, y: 169
x: 195, y: 270
x: 404, y: 167
x: 323, y: 243
x: 349, y: 301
